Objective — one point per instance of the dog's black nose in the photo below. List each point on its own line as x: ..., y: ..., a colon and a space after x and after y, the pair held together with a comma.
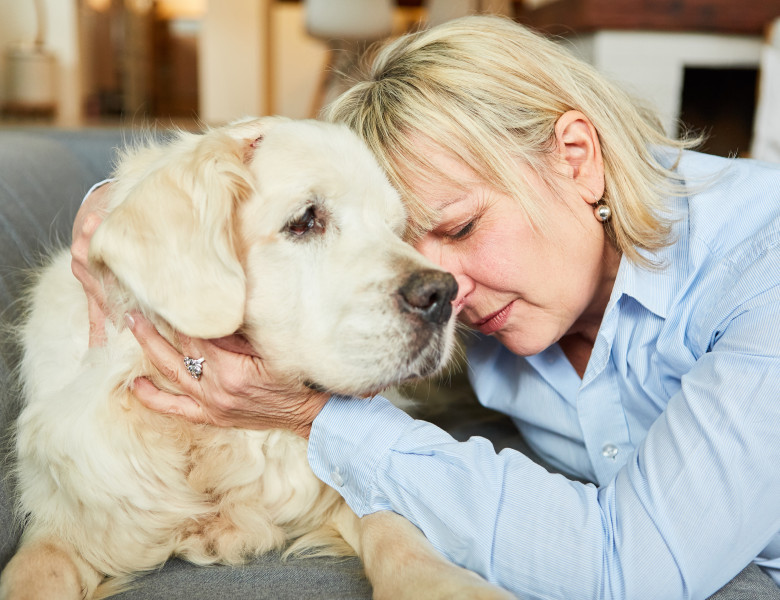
x: 429, y: 294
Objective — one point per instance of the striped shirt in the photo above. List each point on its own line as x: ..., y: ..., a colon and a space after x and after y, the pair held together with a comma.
x: 676, y: 421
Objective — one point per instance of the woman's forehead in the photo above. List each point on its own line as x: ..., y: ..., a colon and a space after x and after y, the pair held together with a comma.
x: 435, y: 172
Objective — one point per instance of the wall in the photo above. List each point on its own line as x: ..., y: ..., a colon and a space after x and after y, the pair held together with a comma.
x: 256, y: 59
x: 233, y: 61
x: 298, y: 63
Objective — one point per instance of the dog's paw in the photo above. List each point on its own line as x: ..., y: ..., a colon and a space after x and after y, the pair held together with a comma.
x: 480, y: 593
x: 479, y: 590
x: 455, y: 584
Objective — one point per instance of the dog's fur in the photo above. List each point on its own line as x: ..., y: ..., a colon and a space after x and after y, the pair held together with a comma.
x: 289, y: 233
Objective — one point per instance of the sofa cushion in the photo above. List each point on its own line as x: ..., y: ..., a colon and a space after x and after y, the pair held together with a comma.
x: 266, y: 578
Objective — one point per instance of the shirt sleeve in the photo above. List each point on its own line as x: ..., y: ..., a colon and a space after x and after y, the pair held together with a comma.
x: 94, y: 187
x: 694, y: 504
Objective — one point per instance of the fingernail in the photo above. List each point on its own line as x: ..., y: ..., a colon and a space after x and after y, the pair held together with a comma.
x: 129, y: 321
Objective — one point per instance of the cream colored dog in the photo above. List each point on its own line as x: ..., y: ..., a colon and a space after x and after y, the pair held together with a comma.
x: 288, y: 232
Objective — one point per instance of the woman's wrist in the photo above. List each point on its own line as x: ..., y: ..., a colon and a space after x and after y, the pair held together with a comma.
x: 308, y: 412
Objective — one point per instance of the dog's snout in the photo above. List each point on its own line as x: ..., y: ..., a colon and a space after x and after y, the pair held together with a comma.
x: 429, y: 294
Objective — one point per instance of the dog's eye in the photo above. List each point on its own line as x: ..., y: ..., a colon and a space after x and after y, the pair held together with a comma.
x: 303, y: 224
x: 307, y: 222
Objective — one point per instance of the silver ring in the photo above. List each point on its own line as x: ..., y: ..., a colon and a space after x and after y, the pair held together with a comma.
x: 194, y: 366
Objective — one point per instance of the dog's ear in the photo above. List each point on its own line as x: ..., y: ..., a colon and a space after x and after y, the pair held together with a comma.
x: 171, y: 241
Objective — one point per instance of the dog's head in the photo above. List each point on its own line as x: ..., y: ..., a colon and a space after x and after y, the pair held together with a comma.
x: 289, y: 233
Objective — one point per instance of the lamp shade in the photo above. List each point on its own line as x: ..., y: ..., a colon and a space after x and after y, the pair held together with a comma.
x: 349, y: 19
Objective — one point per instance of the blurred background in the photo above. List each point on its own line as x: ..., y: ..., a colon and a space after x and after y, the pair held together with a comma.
x: 711, y: 65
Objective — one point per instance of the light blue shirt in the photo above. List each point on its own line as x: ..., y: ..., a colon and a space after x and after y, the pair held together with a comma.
x: 676, y: 421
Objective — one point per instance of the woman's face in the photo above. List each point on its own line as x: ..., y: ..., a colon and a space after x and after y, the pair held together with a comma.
x: 528, y: 287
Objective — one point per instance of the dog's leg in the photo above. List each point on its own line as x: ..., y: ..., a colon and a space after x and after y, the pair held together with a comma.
x: 47, y: 568
x: 401, y: 564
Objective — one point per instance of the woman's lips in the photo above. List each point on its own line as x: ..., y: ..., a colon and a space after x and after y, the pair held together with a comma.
x: 495, y: 321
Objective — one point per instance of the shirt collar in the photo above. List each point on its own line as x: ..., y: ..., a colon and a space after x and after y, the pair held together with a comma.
x: 655, y: 288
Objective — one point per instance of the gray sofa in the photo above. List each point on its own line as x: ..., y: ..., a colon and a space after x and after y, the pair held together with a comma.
x: 43, y: 177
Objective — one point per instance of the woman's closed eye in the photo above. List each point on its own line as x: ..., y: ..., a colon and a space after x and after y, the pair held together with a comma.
x: 463, y: 231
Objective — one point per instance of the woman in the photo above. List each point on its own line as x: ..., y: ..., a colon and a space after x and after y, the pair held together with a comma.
x: 626, y: 292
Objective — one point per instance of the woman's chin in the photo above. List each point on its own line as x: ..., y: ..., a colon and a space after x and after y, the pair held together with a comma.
x: 524, y: 343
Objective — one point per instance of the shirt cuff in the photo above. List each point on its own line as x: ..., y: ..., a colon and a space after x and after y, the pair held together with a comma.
x: 96, y: 186
x: 348, y: 440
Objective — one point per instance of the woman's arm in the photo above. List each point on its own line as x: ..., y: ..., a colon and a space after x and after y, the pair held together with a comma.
x: 692, y: 506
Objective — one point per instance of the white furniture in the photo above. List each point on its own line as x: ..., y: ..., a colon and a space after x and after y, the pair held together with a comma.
x: 352, y: 20
x: 651, y: 64
x: 347, y: 27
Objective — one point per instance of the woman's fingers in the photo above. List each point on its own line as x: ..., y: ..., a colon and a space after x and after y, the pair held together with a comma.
x: 170, y: 362
x: 92, y: 288
x: 163, y: 356
x: 163, y: 402
x: 235, y: 390
x: 97, y: 322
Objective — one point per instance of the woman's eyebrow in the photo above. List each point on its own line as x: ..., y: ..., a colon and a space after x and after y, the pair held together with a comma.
x: 450, y: 200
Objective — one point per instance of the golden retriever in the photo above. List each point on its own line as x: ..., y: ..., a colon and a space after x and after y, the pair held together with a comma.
x: 289, y: 233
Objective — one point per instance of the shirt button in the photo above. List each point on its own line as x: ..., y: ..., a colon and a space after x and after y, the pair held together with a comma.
x: 609, y: 451
x: 337, y: 476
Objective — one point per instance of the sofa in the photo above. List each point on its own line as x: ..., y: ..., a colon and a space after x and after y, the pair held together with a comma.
x: 44, y: 174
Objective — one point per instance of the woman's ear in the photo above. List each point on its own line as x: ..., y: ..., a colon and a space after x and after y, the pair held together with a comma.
x: 579, y: 150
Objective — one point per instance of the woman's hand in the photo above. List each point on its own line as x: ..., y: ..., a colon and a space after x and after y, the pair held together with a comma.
x: 90, y: 215
x: 234, y: 390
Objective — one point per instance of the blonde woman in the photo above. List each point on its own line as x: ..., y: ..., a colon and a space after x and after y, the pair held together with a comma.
x: 625, y: 292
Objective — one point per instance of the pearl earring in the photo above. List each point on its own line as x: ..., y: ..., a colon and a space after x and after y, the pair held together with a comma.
x: 601, y: 211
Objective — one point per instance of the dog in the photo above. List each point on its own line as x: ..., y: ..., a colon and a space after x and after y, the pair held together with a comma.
x: 288, y: 233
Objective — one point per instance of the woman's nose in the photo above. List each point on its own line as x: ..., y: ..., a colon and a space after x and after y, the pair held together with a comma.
x: 465, y: 287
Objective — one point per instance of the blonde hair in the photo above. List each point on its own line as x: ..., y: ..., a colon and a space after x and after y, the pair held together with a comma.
x: 491, y: 91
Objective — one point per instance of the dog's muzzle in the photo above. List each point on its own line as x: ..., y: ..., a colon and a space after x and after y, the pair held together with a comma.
x: 429, y: 295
